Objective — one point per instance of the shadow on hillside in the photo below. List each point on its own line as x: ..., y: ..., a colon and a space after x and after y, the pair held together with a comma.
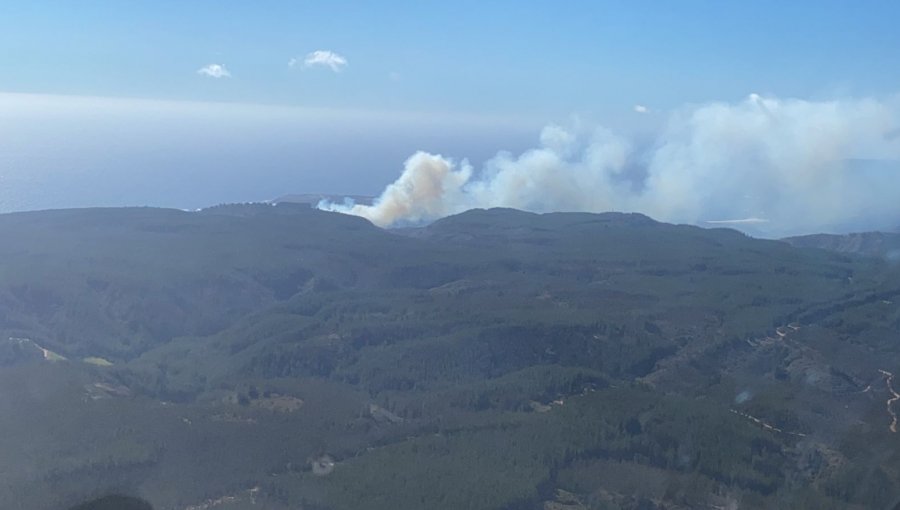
x: 114, y: 502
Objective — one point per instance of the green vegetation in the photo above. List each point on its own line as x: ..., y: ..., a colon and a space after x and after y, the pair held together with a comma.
x: 493, y: 360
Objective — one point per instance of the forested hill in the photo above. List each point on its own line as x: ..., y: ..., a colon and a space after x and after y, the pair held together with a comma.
x: 276, y: 356
x: 875, y: 244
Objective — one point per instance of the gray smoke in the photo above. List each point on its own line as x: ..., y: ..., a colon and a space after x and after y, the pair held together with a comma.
x: 780, y: 166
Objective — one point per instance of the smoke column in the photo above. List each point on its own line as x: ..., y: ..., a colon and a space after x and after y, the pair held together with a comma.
x: 784, y: 166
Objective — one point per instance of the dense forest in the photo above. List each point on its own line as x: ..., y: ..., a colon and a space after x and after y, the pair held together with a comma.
x: 258, y: 356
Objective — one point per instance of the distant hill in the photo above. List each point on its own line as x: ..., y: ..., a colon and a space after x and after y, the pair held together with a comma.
x: 874, y: 244
x: 312, y: 199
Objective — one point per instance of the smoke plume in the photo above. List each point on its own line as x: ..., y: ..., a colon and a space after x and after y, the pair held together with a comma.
x: 780, y: 166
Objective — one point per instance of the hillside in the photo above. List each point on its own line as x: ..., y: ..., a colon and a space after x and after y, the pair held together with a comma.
x: 312, y: 199
x: 874, y: 244
x: 275, y: 356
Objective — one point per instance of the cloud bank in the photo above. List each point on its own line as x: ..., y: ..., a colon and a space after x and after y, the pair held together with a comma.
x: 790, y: 165
x: 214, y: 71
x: 321, y: 58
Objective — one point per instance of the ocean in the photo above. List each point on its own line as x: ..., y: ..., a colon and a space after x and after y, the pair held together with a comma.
x: 61, y: 152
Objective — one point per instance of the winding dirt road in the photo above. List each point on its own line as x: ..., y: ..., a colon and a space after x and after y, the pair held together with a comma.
x: 765, y: 425
x: 889, y: 379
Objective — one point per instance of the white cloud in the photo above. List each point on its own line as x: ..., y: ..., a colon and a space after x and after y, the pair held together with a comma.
x: 214, y: 71
x: 779, y: 166
x: 639, y: 108
x: 324, y: 58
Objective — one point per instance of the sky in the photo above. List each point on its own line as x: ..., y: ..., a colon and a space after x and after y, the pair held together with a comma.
x: 522, y: 59
x: 243, y: 100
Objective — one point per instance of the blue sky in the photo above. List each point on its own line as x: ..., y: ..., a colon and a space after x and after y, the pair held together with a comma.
x: 703, y: 110
x: 533, y: 58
